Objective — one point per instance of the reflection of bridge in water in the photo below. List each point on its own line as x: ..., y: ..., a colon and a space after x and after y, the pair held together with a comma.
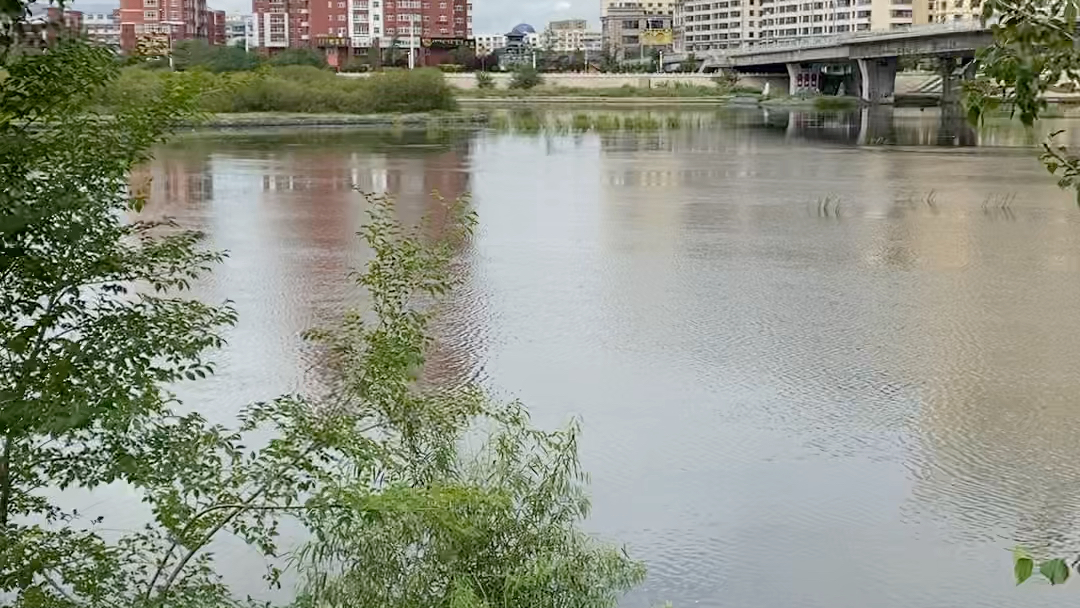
x: 876, y: 125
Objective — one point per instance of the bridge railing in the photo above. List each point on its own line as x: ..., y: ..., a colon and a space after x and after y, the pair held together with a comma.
x: 720, y: 57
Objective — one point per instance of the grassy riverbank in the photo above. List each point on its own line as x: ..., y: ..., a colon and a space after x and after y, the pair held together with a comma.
x: 424, y: 120
x: 295, y: 89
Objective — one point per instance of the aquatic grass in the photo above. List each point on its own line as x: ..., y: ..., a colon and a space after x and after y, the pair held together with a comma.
x: 999, y: 201
x: 532, y: 121
x: 829, y: 207
x: 827, y: 103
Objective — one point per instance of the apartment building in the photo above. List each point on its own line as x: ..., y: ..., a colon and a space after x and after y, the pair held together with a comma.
x: 631, y: 30
x: 648, y: 7
x: 218, y: 34
x: 239, y: 30
x: 162, y: 23
x: 726, y: 24
x: 340, y: 27
x: 46, y: 23
x: 949, y: 11
x: 103, y: 26
x: 571, y: 35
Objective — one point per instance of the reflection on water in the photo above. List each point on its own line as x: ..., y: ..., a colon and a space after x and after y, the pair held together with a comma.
x: 822, y: 360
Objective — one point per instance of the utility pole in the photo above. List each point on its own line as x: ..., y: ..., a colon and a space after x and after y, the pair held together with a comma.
x: 412, y: 41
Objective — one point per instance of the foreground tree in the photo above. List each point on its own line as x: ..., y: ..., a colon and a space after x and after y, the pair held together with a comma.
x: 97, y: 323
x: 1035, y: 49
x: 88, y: 337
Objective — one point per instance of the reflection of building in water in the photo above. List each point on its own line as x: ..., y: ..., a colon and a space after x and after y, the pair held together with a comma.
x: 313, y: 193
x: 172, y: 184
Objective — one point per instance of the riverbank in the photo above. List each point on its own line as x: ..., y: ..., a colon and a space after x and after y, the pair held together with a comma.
x: 517, y: 101
x: 417, y: 120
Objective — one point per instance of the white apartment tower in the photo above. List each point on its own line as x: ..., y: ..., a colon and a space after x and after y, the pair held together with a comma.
x: 649, y: 7
x: 726, y: 24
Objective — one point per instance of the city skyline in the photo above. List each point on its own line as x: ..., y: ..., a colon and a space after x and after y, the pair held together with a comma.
x: 490, y: 16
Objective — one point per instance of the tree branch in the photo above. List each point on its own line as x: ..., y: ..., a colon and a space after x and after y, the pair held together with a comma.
x: 5, y: 482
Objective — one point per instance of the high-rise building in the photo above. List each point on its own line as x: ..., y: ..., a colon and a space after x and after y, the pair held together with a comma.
x: 631, y: 31
x: 571, y: 35
x: 341, y: 27
x: 103, y: 26
x: 727, y: 24
x: 238, y: 30
x: 949, y: 11
x: 159, y: 24
x: 648, y: 7
x: 46, y: 23
x: 218, y: 30
x: 280, y: 24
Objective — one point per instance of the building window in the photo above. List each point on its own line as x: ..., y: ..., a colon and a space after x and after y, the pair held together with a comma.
x: 151, y: 15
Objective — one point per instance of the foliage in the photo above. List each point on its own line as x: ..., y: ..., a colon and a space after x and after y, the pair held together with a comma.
x: 464, y: 56
x: 300, y: 89
x: 96, y: 325
x: 309, y: 57
x: 394, y: 56
x: 356, y: 65
x: 1035, y: 48
x: 1056, y: 571
x: 484, y: 80
x: 436, y: 527
x: 525, y: 77
x: 100, y: 325
x: 197, y: 54
x: 690, y: 64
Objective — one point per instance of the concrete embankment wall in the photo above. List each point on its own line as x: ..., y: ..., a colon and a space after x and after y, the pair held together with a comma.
x: 607, y: 81
x: 906, y: 82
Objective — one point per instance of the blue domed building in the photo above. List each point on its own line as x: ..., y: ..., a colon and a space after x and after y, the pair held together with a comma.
x: 519, y: 49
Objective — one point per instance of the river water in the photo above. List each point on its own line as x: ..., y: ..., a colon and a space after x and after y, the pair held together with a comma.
x: 821, y: 360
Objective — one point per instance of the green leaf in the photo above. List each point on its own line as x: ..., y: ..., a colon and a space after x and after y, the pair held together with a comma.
x: 1056, y: 571
x: 1022, y: 569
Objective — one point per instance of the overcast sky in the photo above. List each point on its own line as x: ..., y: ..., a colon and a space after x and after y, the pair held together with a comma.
x: 498, y: 16
x: 489, y: 16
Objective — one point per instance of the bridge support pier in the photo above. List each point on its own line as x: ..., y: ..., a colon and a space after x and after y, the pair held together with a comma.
x: 953, y: 71
x: 877, y: 79
x: 803, y: 78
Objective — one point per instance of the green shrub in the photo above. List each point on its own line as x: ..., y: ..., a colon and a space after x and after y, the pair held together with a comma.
x: 298, y: 88
x: 299, y: 57
x: 197, y: 54
x: 356, y: 65
x: 485, y: 80
x: 409, y: 91
x: 526, y: 77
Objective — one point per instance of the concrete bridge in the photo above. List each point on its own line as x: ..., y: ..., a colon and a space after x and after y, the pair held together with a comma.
x: 862, y: 63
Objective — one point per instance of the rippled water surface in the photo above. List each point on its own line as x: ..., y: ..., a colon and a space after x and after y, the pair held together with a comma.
x: 821, y: 361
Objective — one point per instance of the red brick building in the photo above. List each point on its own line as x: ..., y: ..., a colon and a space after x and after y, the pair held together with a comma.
x: 45, y: 24
x: 157, y: 24
x: 341, y: 28
x: 218, y: 30
x: 280, y: 24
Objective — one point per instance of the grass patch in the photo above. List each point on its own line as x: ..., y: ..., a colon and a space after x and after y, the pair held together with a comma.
x: 826, y: 103
x: 530, y: 121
